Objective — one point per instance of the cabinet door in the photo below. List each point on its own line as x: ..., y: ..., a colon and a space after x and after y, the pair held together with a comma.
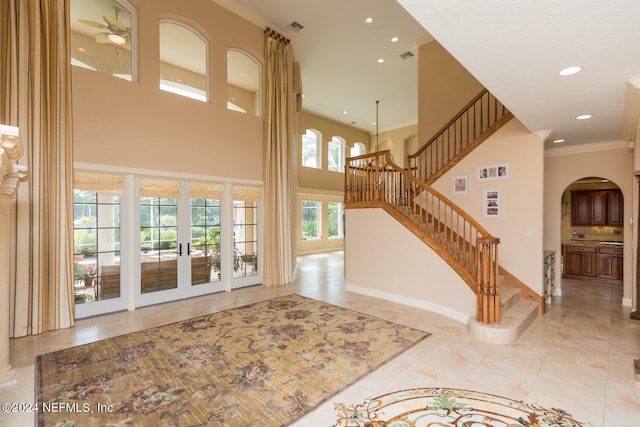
x: 580, y: 208
x: 573, y: 263
x: 617, y: 267
x: 607, y: 266
x: 589, y: 264
x: 614, y: 207
x: 599, y: 207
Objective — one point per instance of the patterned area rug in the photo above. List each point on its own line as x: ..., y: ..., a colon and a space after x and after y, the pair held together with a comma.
x: 439, y: 407
x: 264, y: 364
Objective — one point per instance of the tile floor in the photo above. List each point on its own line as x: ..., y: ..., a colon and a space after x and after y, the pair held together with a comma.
x: 578, y: 356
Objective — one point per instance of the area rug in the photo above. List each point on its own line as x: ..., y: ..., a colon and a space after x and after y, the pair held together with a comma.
x: 439, y: 407
x: 264, y: 364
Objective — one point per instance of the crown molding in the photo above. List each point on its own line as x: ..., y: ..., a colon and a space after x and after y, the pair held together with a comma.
x: 586, y: 148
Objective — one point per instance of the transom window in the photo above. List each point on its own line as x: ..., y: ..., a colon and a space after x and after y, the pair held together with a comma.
x: 358, y: 149
x: 336, y: 154
x: 311, y: 153
x: 183, y: 61
x: 102, y: 36
x: 243, y: 83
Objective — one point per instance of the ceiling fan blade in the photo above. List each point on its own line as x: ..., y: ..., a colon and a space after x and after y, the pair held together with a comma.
x: 102, y: 38
x: 113, y: 22
x: 92, y: 24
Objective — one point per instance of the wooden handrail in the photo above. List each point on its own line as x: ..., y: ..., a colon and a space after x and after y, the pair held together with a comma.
x: 374, y: 180
x: 482, y: 116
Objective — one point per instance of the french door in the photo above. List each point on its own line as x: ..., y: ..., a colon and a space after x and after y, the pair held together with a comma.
x: 180, y: 242
x: 145, y: 242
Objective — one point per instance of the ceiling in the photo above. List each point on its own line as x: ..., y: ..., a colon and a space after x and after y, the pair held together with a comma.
x: 514, y: 48
x: 338, y: 54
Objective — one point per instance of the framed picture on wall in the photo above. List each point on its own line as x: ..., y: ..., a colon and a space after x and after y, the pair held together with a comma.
x: 494, y: 171
x: 461, y: 184
x: 492, y: 203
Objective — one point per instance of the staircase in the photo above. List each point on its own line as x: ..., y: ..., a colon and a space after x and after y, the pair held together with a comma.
x: 518, y: 315
x: 505, y: 306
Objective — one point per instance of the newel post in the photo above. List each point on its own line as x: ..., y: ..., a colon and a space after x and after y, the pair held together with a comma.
x: 488, y: 293
x: 11, y: 174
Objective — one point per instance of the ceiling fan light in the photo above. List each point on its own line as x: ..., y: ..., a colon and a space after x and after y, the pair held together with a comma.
x: 117, y: 39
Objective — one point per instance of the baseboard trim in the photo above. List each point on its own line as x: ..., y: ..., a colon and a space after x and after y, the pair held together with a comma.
x: 412, y: 302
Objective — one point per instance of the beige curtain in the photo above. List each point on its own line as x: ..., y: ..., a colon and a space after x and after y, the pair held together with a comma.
x: 35, y: 86
x: 279, y: 182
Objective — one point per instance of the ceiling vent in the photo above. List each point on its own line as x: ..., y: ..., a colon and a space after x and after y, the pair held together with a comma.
x: 295, y: 26
x: 406, y: 55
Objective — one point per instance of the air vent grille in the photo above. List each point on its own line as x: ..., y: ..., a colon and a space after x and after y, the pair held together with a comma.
x: 295, y: 26
x: 406, y: 55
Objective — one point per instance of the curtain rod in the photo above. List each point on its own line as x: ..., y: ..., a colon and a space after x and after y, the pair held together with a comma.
x: 274, y: 34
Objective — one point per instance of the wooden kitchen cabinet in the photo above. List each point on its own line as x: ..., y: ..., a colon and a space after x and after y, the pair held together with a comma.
x: 610, y: 263
x: 614, y: 208
x: 589, y: 267
x: 580, y: 260
x: 593, y: 262
x: 596, y: 207
x: 580, y: 208
x: 599, y: 207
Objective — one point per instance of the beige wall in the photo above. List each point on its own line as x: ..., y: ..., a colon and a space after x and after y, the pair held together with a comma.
x: 385, y: 260
x: 399, y: 141
x: 444, y: 88
x: 613, y: 161
x: 136, y: 125
x: 520, y: 227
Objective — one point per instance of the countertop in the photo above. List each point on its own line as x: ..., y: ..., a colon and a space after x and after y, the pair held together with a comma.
x: 588, y: 242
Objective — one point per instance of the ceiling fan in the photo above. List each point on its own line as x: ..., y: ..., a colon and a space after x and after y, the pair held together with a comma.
x: 116, y: 32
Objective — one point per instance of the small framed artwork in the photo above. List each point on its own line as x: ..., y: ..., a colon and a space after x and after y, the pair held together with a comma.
x: 461, y: 184
x: 491, y: 203
x: 494, y: 171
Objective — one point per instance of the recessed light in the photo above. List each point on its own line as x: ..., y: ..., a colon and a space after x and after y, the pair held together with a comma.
x: 344, y: 112
x: 394, y: 39
x: 558, y: 141
x: 369, y: 20
x: 584, y: 117
x: 380, y: 60
x: 81, y: 49
x: 570, y: 70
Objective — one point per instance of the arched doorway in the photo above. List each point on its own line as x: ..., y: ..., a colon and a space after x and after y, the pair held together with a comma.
x: 592, y: 231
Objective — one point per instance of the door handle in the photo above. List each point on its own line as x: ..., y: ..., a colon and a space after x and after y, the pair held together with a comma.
x: 180, y: 249
x: 188, y: 248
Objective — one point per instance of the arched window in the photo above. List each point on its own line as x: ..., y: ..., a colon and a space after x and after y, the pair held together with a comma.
x: 311, y: 153
x: 243, y: 83
x: 183, y: 61
x: 102, y: 36
x: 336, y: 154
x: 358, y: 149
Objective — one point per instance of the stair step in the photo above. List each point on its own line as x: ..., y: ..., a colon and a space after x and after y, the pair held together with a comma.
x: 508, y: 296
x: 517, y: 316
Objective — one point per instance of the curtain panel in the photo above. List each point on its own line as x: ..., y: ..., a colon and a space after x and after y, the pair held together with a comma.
x: 279, y: 139
x: 35, y: 87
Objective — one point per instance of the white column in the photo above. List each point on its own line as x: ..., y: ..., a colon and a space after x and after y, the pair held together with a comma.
x: 11, y: 174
